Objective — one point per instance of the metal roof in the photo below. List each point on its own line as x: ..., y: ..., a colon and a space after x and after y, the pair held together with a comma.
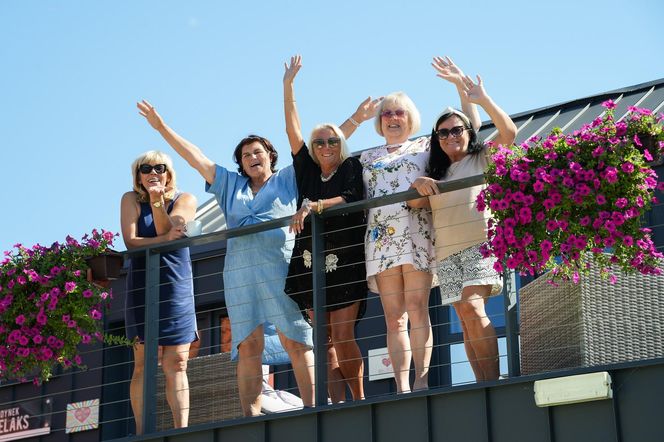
x: 568, y: 116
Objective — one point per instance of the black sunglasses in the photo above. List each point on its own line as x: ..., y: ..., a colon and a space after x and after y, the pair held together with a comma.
x: 332, y: 142
x: 148, y: 168
x: 456, y: 132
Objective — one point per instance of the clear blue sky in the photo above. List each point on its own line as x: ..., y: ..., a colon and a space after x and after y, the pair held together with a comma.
x: 72, y: 71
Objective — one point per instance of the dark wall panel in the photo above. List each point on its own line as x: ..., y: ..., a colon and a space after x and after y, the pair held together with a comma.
x: 585, y: 422
x: 459, y: 416
x: 403, y: 420
x: 640, y: 403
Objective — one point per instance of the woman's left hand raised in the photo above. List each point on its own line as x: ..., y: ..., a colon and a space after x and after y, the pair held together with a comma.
x: 367, y: 109
x: 475, y: 91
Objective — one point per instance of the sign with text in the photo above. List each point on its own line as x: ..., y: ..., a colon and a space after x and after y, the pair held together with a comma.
x: 25, y: 419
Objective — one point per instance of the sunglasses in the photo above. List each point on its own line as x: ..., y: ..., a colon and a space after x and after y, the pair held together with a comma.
x: 390, y: 113
x: 332, y: 142
x: 456, y: 132
x: 148, y: 168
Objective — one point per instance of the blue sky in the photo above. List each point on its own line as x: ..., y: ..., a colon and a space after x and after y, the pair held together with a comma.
x: 73, y: 70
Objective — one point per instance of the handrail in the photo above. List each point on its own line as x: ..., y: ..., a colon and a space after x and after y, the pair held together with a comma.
x: 152, y: 254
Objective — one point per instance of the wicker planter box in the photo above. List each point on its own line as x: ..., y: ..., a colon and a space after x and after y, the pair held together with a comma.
x: 591, y: 323
x: 213, y: 393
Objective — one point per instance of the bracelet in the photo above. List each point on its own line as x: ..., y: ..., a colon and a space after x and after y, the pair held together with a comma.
x: 319, y: 208
x: 306, y: 205
x: 353, y: 122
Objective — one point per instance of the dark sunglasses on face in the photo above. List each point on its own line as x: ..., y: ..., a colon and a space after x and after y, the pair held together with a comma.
x: 332, y: 142
x: 389, y: 113
x: 148, y: 168
x: 456, y: 132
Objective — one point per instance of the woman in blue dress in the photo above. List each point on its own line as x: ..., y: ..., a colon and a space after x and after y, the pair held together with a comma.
x: 256, y: 265
x: 151, y: 213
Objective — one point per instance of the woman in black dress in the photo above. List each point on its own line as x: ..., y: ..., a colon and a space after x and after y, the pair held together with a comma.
x: 327, y: 175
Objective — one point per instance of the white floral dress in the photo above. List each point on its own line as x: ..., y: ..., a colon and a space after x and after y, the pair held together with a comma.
x: 396, y: 234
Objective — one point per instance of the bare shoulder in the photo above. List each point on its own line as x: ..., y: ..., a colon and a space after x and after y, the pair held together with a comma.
x: 186, y: 199
x: 129, y: 197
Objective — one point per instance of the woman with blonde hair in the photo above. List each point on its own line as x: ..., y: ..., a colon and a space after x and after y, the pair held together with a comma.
x: 154, y: 212
x: 327, y: 175
x: 399, y: 240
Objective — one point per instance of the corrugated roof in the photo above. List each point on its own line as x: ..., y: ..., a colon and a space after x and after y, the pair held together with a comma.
x: 568, y: 116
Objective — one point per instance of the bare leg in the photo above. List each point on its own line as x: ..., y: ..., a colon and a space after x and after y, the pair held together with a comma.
x: 481, y: 334
x: 250, y: 372
x: 336, y: 387
x: 390, y: 286
x: 342, y: 323
x: 174, y: 364
x: 470, y: 353
x: 417, y: 286
x: 302, y: 360
x: 136, y: 387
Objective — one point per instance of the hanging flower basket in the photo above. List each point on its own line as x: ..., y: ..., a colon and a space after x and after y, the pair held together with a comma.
x: 561, y: 202
x: 48, y: 309
x: 106, y: 266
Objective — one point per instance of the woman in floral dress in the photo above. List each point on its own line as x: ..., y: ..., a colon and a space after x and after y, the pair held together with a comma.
x: 399, y: 240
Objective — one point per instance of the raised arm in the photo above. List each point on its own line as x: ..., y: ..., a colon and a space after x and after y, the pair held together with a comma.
x: 187, y: 150
x: 504, y: 124
x: 365, y: 111
x: 293, y: 126
x: 449, y: 71
x: 169, y: 226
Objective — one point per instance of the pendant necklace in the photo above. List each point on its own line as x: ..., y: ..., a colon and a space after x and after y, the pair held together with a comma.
x: 329, y: 177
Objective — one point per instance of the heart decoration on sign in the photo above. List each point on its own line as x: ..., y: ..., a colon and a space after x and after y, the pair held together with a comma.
x: 387, y: 362
x: 81, y: 414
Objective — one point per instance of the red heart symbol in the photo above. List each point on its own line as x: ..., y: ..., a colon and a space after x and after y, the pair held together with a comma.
x: 387, y: 362
x: 82, y: 414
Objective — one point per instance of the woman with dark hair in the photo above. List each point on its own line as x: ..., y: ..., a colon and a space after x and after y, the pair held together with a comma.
x: 466, y: 279
x: 256, y: 265
x: 153, y: 212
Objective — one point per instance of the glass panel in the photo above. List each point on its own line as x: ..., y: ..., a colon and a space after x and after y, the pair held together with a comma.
x: 461, y: 371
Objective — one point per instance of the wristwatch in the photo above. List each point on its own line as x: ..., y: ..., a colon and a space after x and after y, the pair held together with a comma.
x: 157, y: 204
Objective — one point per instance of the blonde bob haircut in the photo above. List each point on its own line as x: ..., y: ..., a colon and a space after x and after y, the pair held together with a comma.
x: 334, y: 128
x: 153, y: 157
x: 404, y: 102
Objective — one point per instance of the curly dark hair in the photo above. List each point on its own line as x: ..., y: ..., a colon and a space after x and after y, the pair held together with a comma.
x: 269, y: 148
x: 439, y: 162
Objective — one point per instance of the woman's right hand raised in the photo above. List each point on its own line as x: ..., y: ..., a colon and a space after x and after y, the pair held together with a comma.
x: 150, y: 113
x: 292, y: 69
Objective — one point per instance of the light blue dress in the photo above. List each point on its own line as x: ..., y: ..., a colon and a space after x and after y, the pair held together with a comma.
x: 256, y: 265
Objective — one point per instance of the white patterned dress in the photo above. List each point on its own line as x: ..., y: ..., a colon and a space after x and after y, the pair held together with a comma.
x: 396, y: 234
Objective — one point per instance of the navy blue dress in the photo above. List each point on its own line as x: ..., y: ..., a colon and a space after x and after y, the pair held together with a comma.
x: 177, y: 314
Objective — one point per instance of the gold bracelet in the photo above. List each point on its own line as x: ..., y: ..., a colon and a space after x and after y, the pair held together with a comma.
x: 319, y: 208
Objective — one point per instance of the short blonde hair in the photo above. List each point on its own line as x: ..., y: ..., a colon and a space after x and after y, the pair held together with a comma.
x: 153, y: 157
x: 403, y: 100
x: 334, y: 128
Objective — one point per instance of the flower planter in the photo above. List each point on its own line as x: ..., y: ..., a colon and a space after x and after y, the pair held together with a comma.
x: 590, y: 323
x: 106, y: 266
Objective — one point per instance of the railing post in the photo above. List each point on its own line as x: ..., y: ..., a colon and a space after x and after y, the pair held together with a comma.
x: 151, y: 338
x: 320, y: 318
x: 511, y: 326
